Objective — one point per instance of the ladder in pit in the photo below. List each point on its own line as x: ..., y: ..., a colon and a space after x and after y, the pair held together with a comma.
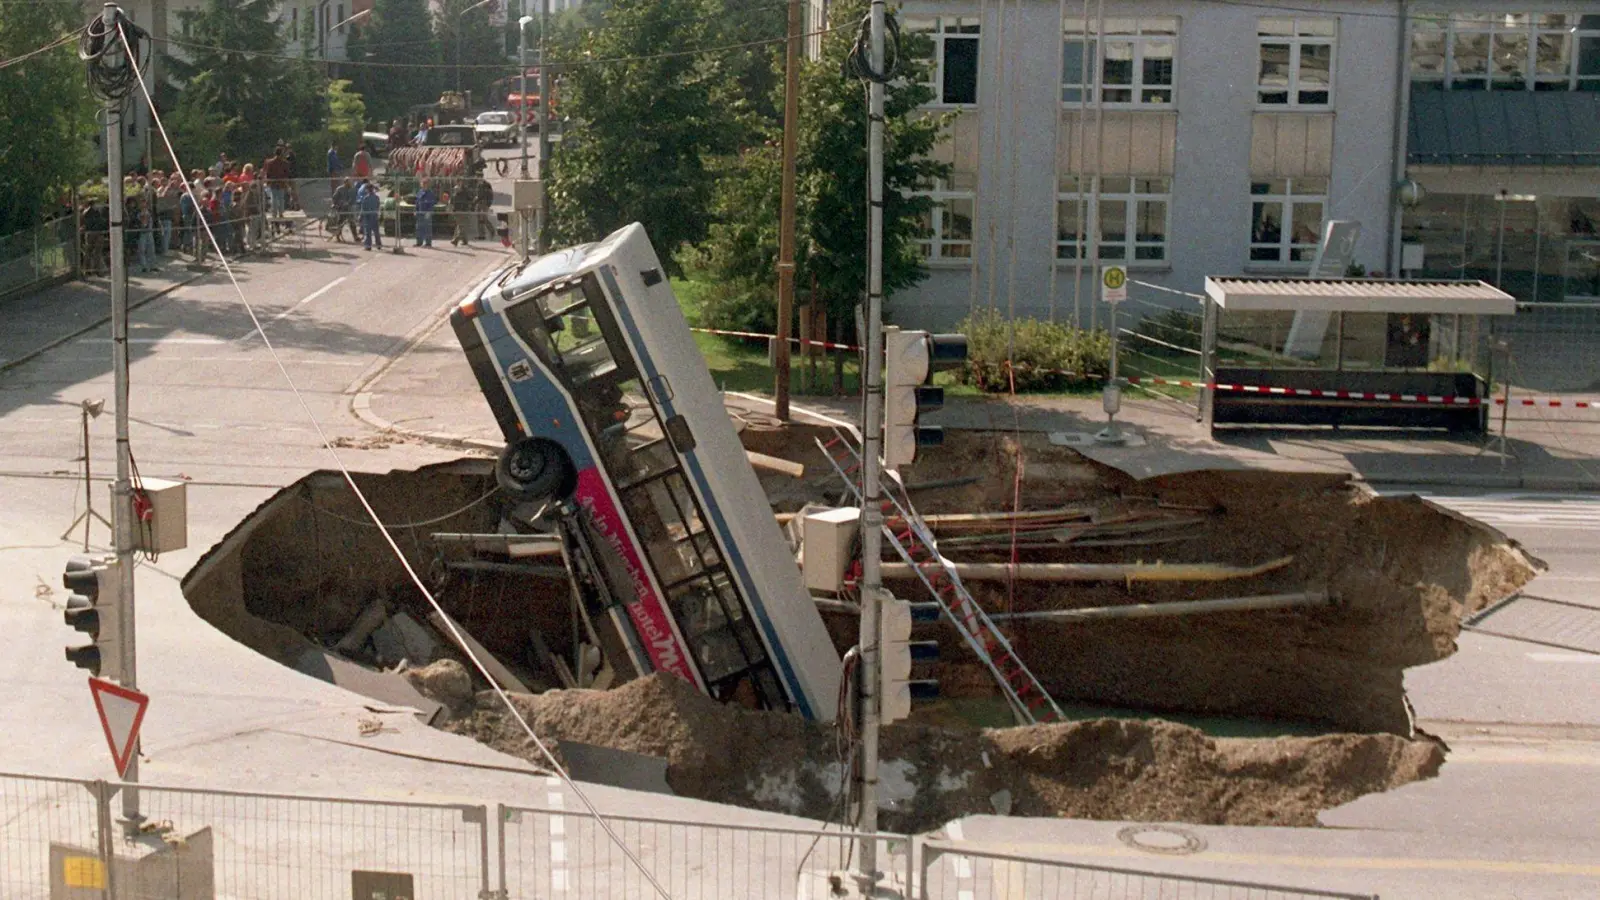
x: 920, y: 550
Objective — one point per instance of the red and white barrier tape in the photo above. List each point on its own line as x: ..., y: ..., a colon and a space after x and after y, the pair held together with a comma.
x: 1380, y: 396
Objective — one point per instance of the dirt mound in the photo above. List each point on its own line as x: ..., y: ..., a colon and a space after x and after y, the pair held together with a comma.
x: 1102, y: 769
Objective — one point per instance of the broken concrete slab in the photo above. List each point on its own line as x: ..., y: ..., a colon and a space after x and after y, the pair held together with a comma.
x: 402, y: 638
x: 617, y: 768
x: 386, y: 687
x: 365, y: 624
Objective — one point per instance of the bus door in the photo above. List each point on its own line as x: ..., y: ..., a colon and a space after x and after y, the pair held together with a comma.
x: 640, y: 456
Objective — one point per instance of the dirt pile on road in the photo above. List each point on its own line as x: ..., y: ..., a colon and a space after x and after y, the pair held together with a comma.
x: 1102, y: 769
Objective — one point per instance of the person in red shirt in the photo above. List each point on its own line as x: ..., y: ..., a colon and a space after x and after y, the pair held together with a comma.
x: 276, y: 172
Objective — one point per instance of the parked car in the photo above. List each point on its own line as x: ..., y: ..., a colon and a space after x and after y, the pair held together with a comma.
x: 497, y: 128
x: 376, y: 142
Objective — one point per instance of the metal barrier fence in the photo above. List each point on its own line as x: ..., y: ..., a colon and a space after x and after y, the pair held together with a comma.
x: 40, y: 255
x: 1160, y: 341
x: 548, y: 852
x: 953, y: 871
x: 60, y: 839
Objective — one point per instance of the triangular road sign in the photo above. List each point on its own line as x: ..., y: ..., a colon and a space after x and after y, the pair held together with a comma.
x: 121, y: 712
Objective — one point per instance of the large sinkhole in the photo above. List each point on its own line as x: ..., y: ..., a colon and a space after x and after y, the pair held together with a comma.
x: 1250, y: 717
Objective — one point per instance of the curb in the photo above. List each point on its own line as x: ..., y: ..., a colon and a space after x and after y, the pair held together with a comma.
x: 360, y: 389
x: 35, y: 353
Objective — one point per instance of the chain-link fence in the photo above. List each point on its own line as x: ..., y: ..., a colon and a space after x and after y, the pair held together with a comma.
x: 66, y: 839
x: 953, y: 871
x: 554, y: 852
x: 39, y: 256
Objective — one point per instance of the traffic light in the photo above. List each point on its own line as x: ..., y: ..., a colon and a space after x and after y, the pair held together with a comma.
x: 94, y: 608
x: 910, y: 359
x: 897, y: 652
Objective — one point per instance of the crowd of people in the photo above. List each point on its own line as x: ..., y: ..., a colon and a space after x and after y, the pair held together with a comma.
x: 246, y: 205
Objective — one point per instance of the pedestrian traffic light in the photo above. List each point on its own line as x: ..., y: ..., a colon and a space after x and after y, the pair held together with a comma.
x: 897, y: 652
x: 910, y: 359
x: 94, y: 608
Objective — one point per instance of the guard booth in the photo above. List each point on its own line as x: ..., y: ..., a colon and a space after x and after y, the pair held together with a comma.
x: 1349, y: 352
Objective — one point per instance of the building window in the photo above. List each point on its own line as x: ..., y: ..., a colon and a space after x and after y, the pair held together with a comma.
x: 1506, y: 52
x: 946, y: 232
x: 1296, y: 62
x: 1130, y: 218
x: 1135, y: 59
x: 1286, y: 219
x: 294, y: 23
x: 339, y: 18
x: 953, y: 65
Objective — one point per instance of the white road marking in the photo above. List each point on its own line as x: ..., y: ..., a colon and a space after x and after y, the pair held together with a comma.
x: 1538, y: 510
x: 558, y: 831
x: 1579, y: 658
x: 227, y: 359
x: 301, y: 302
x: 163, y: 340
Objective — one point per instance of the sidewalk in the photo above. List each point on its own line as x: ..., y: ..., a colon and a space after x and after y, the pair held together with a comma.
x: 429, y: 392
x: 38, y: 322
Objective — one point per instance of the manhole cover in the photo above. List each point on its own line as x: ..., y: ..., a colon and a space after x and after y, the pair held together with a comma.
x: 1162, y: 839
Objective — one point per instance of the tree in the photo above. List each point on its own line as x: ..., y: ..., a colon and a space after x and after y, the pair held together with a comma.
x: 468, y: 43
x: 643, y: 119
x: 740, y: 254
x: 347, y: 110
x: 49, y: 114
x: 399, y: 38
x: 245, y: 84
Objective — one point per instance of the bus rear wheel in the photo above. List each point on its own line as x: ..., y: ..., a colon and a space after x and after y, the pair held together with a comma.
x: 534, y: 468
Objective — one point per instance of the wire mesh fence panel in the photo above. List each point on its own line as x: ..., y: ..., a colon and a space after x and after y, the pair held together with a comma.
x: 38, y: 255
x: 1552, y: 346
x: 550, y: 853
x: 36, y: 813
x: 1159, y: 342
x: 275, y: 846
x: 949, y: 873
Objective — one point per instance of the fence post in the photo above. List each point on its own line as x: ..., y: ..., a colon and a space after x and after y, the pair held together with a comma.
x: 479, y: 815
x: 103, y: 794
x: 500, y: 839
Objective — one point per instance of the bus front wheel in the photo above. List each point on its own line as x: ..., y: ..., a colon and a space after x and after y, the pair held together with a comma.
x: 534, y: 468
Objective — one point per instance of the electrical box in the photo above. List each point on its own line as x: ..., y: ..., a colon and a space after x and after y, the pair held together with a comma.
x: 828, y: 536
x: 163, y: 524
x: 1412, y: 256
x: 527, y: 193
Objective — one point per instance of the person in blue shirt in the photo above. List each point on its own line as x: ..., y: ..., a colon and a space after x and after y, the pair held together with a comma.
x: 426, y: 200
x: 335, y: 168
x: 368, y: 202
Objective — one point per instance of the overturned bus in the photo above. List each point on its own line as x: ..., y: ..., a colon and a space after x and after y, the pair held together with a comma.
x: 610, y: 414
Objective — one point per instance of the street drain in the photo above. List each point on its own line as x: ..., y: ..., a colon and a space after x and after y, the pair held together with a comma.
x: 1163, y: 839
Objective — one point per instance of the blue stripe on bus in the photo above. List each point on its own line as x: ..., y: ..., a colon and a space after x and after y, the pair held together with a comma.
x: 696, y: 471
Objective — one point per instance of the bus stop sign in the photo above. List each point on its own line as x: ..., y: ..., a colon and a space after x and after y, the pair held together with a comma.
x: 1113, y: 284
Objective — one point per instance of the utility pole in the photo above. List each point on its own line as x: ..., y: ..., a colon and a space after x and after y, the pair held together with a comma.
x: 122, y: 490
x: 871, y: 445
x: 524, y: 215
x: 791, y: 125
x: 544, y: 124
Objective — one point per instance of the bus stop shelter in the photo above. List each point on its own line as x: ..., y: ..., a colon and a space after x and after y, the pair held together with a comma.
x: 1349, y: 352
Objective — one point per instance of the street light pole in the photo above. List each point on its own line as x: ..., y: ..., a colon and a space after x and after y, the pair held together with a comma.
x: 871, y: 449
x: 544, y: 120
x: 791, y: 122
x: 522, y: 104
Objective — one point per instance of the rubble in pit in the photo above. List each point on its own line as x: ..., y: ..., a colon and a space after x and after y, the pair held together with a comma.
x: 1098, y: 769
x: 1403, y: 573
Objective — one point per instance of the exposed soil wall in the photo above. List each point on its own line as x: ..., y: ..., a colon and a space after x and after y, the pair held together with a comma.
x: 1101, y: 769
x: 1403, y: 571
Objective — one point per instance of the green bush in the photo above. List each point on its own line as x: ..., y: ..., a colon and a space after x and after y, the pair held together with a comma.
x: 739, y: 304
x: 1043, y: 351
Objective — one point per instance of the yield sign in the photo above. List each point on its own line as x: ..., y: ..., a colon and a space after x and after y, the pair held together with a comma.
x: 121, y: 711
